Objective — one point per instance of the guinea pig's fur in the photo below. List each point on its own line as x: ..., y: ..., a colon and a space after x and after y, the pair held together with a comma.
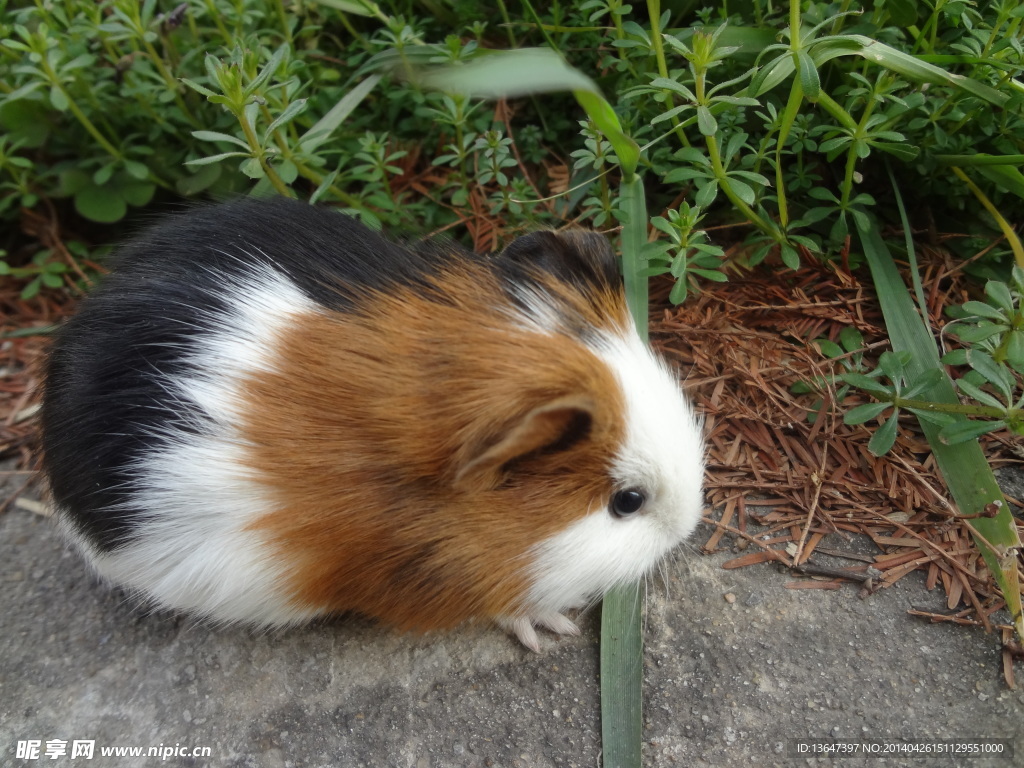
x: 268, y: 412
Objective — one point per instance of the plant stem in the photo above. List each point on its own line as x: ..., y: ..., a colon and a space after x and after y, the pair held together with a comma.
x: 81, y: 116
x: 851, y: 155
x: 283, y: 18
x: 836, y: 111
x: 654, y: 13
x: 796, y: 97
x: 259, y: 154
x: 723, y: 181
x: 986, y: 411
x: 634, y: 239
x: 508, y: 24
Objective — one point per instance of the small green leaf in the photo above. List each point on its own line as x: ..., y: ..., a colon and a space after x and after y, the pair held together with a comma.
x: 32, y: 289
x: 902, y: 12
x: 1015, y: 351
x: 861, y: 381
x: 693, y: 155
x: 252, y: 168
x: 706, y: 122
x: 829, y: 348
x: 741, y: 189
x: 956, y: 357
x: 851, y: 339
x: 679, y: 292
x: 922, y: 383
x: 137, y: 193
x: 790, y: 256
x: 217, y: 136
x: 979, y: 332
x: 269, y: 69
x: 292, y: 111
x: 977, y: 393
x: 51, y: 280
x: 59, y: 99
x: 892, y: 366
x: 103, y: 174
x: 136, y: 169
x: 102, y: 204
x: 981, y: 309
x: 994, y: 374
x: 937, y: 418
x: 287, y: 171
x: 808, y: 71
x: 885, y: 436
x: 197, y: 87
x: 1008, y: 177
x: 706, y: 194
x: 711, y: 274
x: 999, y: 292
x: 324, y: 186
x: 865, y: 412
x: 215, y: 158
x: 204, y: 178
x: 904, y: 152
x: 962, y: 431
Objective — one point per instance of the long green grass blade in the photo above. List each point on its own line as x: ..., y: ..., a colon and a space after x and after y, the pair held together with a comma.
x: 336, y: 115
x: 621, y: 636
x: 963, y: 466
x: 634, y: 240
x: 622, y: 675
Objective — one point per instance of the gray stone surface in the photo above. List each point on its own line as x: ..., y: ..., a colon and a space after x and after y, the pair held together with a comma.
x: 726, y: 683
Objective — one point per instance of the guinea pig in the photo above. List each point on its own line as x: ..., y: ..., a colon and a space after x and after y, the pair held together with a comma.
x: 268, y: 412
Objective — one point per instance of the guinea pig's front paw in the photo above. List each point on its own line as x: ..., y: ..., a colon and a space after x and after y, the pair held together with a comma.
x: 523, y: 627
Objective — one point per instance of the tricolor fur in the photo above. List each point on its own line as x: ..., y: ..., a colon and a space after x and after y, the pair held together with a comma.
x: 268, y: 412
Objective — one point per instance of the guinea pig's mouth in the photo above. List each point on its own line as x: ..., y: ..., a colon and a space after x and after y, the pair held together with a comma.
x: 586, y: 559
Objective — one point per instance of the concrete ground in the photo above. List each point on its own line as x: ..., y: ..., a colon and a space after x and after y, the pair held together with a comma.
x: 727, y: 683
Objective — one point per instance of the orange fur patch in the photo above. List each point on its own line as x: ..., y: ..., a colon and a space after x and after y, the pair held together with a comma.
x: 364, y: 429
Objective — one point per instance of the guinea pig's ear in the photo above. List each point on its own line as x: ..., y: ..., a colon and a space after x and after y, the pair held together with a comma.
x: 572, y: 256
x: 552, y: 426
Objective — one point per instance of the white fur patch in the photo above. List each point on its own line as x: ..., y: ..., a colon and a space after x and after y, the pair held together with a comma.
x: 191, y: 551
x: 662, y: 454
x: 537, y: 313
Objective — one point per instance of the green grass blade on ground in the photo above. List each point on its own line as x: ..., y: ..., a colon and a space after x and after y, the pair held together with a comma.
x: 963, y: 466
x: 622, y: 656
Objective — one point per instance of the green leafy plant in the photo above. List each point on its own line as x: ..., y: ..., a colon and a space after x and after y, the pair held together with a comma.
x: 993, y: 356
x: 43, y: 270
x: 687, y: 254
x: 849, y: 354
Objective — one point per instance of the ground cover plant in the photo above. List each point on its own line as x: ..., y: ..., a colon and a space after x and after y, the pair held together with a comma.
x: 715, y: 141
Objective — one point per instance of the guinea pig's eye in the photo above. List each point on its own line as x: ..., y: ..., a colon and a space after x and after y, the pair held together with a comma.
x: 625, y: 503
